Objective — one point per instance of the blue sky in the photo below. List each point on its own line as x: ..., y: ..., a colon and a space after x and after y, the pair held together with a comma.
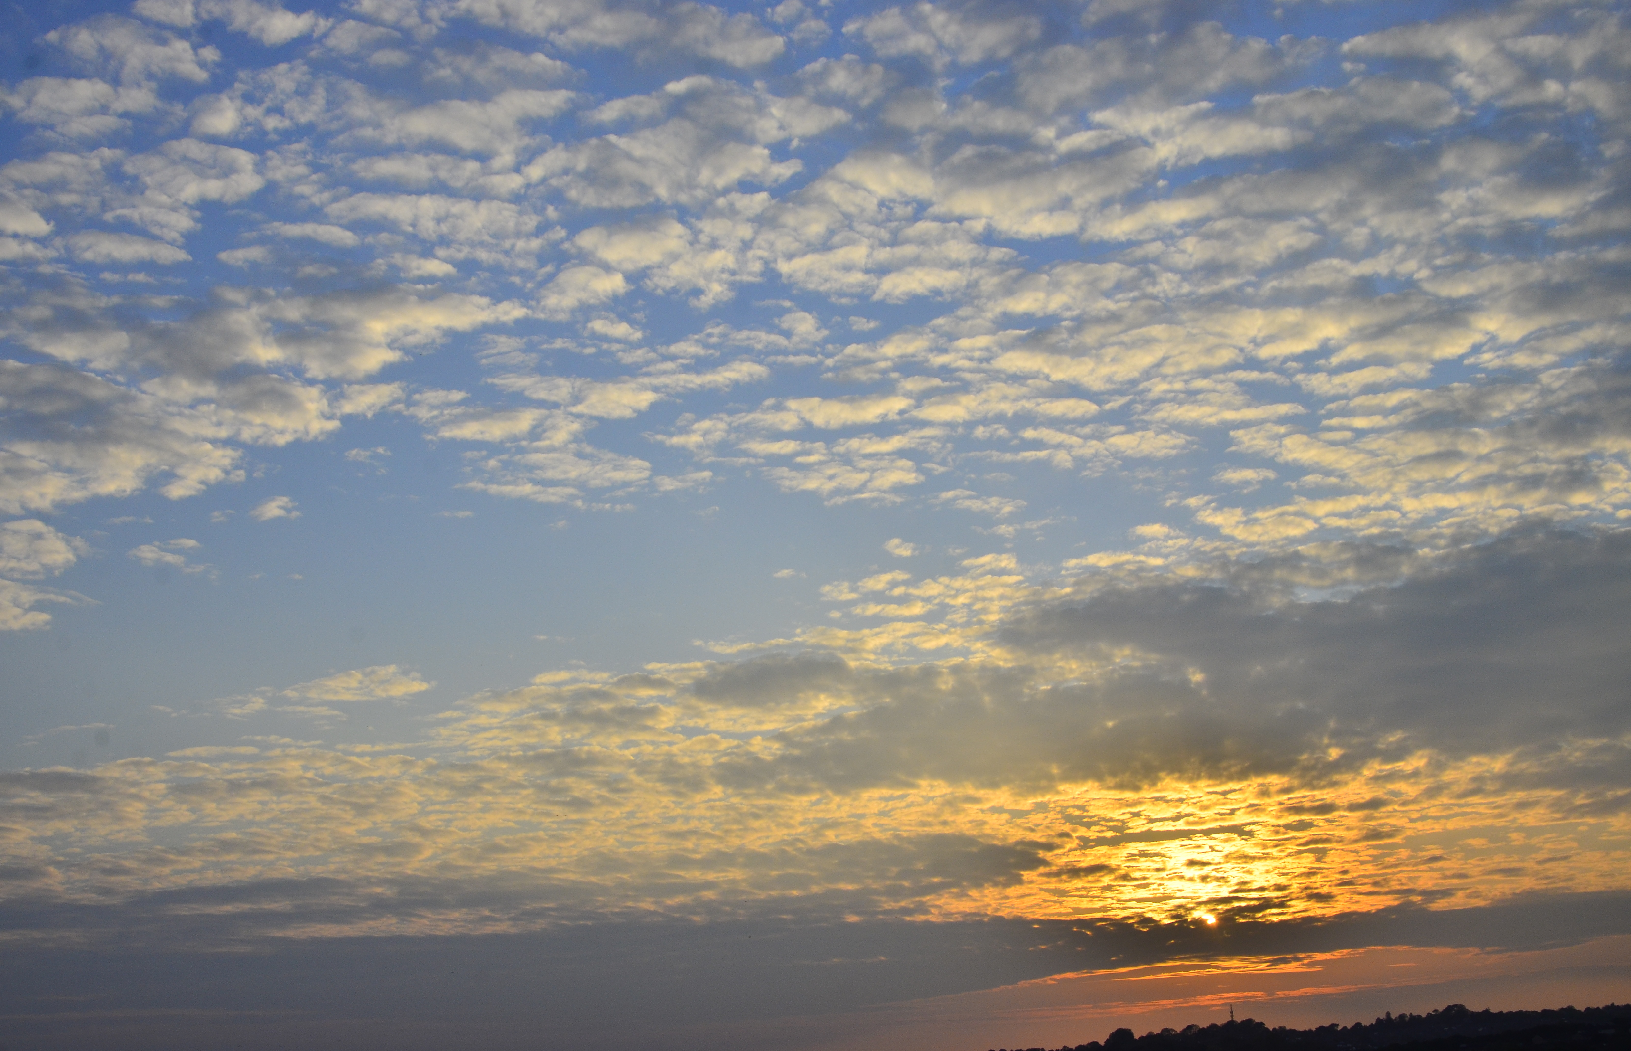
x: 480, y: 469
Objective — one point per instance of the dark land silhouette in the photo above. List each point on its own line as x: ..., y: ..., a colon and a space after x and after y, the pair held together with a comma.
x: 1451, y: 1028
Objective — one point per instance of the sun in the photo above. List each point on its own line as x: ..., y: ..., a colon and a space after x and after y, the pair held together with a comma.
x: 1210, y: 920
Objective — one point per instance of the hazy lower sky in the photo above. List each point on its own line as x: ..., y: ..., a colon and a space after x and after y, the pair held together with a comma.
x: 814, y: 525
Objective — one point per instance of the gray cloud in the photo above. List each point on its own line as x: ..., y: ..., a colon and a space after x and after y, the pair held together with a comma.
x: 1497, y: 648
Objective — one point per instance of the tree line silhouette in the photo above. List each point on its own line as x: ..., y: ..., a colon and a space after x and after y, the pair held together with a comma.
x: 1451, y: 1028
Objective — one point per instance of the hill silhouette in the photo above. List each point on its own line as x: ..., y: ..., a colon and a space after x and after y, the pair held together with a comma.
x: 1452, y: 1028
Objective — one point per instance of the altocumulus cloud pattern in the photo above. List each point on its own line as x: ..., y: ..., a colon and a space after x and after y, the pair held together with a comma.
x: 488, y: 469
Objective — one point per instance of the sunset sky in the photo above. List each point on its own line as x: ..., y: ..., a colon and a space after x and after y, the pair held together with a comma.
x: 815, y: 525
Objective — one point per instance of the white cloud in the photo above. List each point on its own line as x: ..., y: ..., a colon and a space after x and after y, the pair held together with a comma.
x: 900, y: 548
x: 676, y: 162
x: 178, y: 13
x: 276, y: 507
x: 716, y: 137
x: 1362, y: 102
x: 609, y: 328
x: 368, y: 456
x: 830, y: 413
x: 1245, y: 479
x: 77, y: 108
x: 546, y: 472
x: 492, y: 66
x: 492, y: 127
x: 635, y: 246
x: 694, y: 28
x: 439, y: 220
x: 98, y: 246
x: 943, y: 33
x: 246, y: 257
x: 17, y: 602
x: 580, y: 286
x: 1157, y: 68
x: 967, y: 500
x: 167, y: 554
x: 342, y: 335
x: 620, y: 399
x: 13, y: 250
x: 271, y: 24
x: 183, y: 173
x: 31, y: 549
x: 338, y: 236
x: 379, y: 683
x: 848, y: 79
x: 132, y: 52
x: 75, y: 436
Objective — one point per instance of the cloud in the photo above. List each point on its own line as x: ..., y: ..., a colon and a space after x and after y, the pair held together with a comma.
x: 1437, y: 673
x: 368, y: 456
x: 1245, y: 478
x: 31, y: 549
x: 1202, y: 59
x: 276, y: 507
x: 338, y: 236
x: 620, y: 399
x: 494, y: 66
x: 245, y: 257
x: 437, y: 219
x: 945, y: 33
x: 380, y: 683
x: 78, y: 432
x: 1340, y: 324
x: 76, y: 436
x: 862, y: 468
x: 1486, y: 55
x: 968, y: 500
x: 17, y: 602
x: 102, y: 247
x: 546, y: 472
x: 676, y: 162
x: 578, y: 287
x: 847, y: 78
x: 188, y: 171
x: 77, y: 108
x: 1017, y: 770
x: 698, y: 29
x: 131, y: 51
x: 271, y: 24
x: 167, y: 554
x: 716, y: 136
x: 493, y: 127
x: 345, y: 335
x: 636, y: 246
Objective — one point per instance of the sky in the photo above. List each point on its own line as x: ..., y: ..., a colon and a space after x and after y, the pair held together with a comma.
x: 809, y: 525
